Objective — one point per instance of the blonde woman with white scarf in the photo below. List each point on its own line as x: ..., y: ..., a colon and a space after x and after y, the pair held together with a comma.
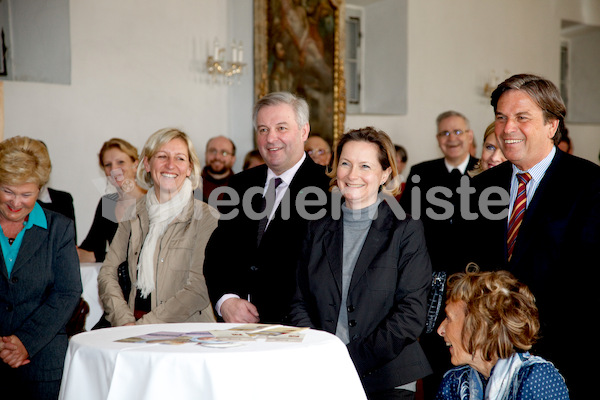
x: 163, y: 241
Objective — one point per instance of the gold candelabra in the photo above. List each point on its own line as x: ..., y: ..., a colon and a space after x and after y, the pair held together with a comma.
x: 216, y: 65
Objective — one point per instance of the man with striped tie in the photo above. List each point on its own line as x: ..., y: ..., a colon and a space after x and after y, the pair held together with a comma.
x: 549, y: 229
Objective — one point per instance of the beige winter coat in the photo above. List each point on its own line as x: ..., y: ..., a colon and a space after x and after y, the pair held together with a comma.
x: 180, y: 294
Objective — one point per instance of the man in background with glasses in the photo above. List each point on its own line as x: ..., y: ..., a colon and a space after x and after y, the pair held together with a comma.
x: 220, y: 157
x: 432, y: 185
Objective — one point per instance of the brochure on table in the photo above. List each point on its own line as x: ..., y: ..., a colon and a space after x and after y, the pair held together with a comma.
x: 223, y: 337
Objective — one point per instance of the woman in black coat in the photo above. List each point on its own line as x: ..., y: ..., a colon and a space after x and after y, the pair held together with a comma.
x: 365, y: 276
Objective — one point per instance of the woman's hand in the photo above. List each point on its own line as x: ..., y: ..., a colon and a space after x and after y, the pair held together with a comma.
x: 86, y: 256
x: 13, y: 352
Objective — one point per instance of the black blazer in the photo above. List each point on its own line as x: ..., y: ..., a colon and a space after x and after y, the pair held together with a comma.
x: 233, y: 262
x: 387, y: 296
x: 39, y: 298
x: 104, y: 226
x: 556, y: 255
x: 440, y: 233
x: 62, y: 203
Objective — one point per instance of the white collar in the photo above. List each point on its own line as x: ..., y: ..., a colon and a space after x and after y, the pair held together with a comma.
x: 44, y: 195
x: 538, y: 171
x: 286, y: 176
x: 462, y: 167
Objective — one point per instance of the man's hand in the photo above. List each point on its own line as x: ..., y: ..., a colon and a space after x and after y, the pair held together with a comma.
x: 13, y: 352
x: 239, y: 310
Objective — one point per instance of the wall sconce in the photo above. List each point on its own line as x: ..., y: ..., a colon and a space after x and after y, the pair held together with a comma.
x: 216, y: 65
x: 492, y: 83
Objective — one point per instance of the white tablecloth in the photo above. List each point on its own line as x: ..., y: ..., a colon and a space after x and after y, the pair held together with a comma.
x: 97, y: 367
x: 89, y: 280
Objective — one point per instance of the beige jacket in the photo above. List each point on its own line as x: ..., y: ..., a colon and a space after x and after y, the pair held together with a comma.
x: 180, y: 294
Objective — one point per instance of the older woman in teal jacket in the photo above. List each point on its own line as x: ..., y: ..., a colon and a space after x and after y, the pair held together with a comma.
x: 40, y: 281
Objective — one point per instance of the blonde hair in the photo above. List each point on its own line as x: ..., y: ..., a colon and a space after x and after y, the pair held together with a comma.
x: 501, y: 315
x: 154, y: 143
x: 24, y: 160
x: 119, y: 144
x: 488, y: 131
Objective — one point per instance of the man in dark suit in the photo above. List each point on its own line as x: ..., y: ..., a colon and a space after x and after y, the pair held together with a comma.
x: 558, y: 240
x: 440, y: 178
x: 250, y: 275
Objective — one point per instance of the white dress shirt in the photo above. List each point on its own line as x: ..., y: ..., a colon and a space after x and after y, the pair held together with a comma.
x: 537, y: 173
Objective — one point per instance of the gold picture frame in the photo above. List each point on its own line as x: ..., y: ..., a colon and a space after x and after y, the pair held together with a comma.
x: 299, y: 47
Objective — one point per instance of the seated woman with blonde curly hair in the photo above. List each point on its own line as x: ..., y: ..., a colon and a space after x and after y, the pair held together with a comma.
x: 491, y: 323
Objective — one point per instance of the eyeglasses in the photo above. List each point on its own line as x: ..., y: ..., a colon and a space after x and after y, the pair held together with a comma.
x: 317, y: 152
x: 214, y: 152
x: 456, y: 132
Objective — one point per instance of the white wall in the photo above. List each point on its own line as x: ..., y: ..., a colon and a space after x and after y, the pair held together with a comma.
x: 453, y: 48
x: 135, y: 70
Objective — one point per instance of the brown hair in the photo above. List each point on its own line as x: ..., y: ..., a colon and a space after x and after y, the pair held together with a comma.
x: 387, y: 154
x: 24, y: 160
x: 542, y: 91
x: 501, y: 315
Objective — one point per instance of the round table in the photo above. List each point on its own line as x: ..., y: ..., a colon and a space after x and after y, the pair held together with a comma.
x: 89, y: 281
x: 97, y: 367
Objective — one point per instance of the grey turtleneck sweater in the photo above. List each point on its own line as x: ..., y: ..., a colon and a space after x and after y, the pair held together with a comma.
x: 356, y: 225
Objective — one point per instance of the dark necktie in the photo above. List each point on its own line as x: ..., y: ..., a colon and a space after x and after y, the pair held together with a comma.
x: 455, y: 176
x: 516, y: 217
x: 267, y: 201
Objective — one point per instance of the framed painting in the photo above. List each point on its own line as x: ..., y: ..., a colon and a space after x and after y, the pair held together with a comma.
x: 3, y: 68
x: 299, y: 47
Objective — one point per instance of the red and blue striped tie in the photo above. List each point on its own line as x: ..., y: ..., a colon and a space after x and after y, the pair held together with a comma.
x: 517, y: 213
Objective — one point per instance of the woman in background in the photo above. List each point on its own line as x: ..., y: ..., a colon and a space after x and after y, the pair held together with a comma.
x: 491, y: 323
x: 366, y: 276
x: 119, y: 160
x: 252, y: 159
x: 40, y: 281
x: 491, y: 155
x: 163, y: 241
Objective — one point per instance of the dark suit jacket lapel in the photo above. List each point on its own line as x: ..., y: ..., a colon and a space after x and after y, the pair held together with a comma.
x: 3, y: 268
x: 535, y: 208
x: 300, y: 180
x: 441, y: 169
x: 543, y: 186
x: 259, y: 180
x: 334, y: 236
x: 373, y: 245
x: 32, y: 240
x: 503, y: 182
